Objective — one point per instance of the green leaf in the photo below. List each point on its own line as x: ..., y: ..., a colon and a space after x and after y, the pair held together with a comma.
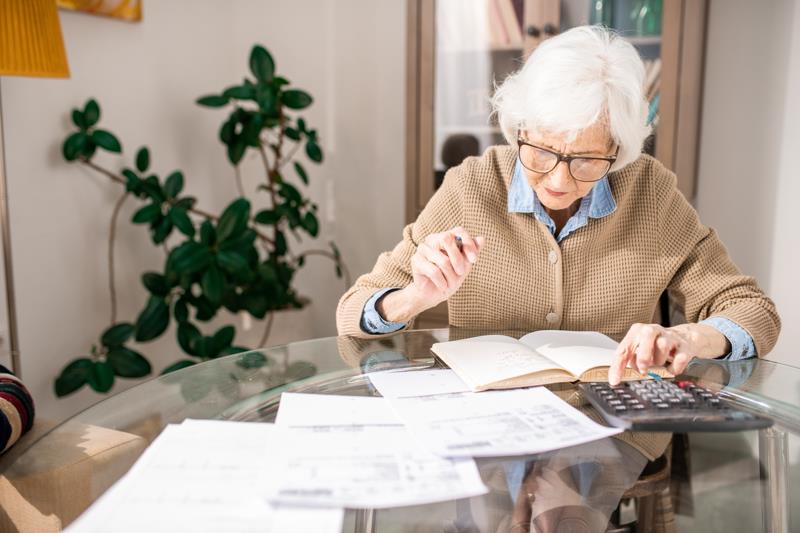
x: 73, y: 377
x: 181, y: 310
x: 290, y: 192
x: 252, y: 130
x: 233, y: 220
x: 241, y: 244
x: 240, y: 92
x: 292, y: 133
x: 91, y: 113
x: 152, y: 188
x: 213, y: 284
x: 153, y: 321
x: 132, y: 182
x: 174, y: 184
x: 296, y: 99
x: 280, y: 243
x: 180, y: 218
x: 143, y: 159
x: 233, y: 262
x: 223, y: 338
x: 101, y: 376
x: 256, y: 303
x: 106, y: 140
x: 236, y: 149
x: 212, y: 101
x: 117, y: 334
x: 79, y: 119
x: 161, y: 230
x: 311, y: 224
x: 208, y: 235
x: 187, y: 337
x: 205, y: 310
x: 301, y: 172
x: 267, y: 216
x: 190, y: 257
x: 89, y: 148
x: 261, y: 64
x: 127, y: 363
x: 187, y: 202
x: 227, y: 131
x: 267, y: 272
x: 183, y: 363
x: 313, y: 151
x: 74, y: 145
x: 147, y: 214
x: 155, y: 283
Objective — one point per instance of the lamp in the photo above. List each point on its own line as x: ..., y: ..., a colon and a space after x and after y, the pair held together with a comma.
x: 30, y: 45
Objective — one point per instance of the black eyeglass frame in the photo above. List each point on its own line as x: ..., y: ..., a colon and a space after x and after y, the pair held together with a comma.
x: 564, y: 157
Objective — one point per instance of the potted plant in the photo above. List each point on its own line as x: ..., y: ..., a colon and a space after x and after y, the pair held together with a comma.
x: 238, y: 261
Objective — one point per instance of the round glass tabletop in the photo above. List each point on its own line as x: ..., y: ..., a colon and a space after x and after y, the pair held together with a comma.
x: 741, y: 479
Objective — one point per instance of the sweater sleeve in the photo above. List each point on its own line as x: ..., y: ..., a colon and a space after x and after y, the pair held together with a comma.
x: 706, y: 282
x: 393, y: 269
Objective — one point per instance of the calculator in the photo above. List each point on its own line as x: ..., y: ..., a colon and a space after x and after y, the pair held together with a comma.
x: 675, y: 406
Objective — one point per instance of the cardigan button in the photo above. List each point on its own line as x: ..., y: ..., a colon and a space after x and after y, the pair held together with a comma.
x: 552, y: 257
x: 551, y: 318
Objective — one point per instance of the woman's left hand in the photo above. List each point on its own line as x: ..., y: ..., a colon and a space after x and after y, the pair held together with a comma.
x: 648, y: 345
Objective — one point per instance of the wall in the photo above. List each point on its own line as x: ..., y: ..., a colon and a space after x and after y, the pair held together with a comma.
x: 348, y: 54
x: 750, y: 137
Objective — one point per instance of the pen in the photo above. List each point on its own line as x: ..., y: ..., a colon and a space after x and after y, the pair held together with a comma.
x: 654, y: 376
x: 459, y: 243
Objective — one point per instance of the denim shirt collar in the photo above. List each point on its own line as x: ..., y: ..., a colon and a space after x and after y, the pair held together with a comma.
x: 522, y: 199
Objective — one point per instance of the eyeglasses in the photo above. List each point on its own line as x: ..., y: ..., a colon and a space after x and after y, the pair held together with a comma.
x: 582, y: 168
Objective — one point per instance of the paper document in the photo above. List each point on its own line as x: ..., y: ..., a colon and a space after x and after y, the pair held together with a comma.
x: 369, y: 467
x: 496, y: 423
x: 352, y: 451
x: 203, y: 476
x: 302, y: 410
x: 409, y: 383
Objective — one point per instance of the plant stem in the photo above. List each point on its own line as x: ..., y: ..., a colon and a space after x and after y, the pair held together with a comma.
x: 332, y: 257
x: 267, y: 328
x: 196, y: 211
x: 238, y: 176
x: 289, y: 157
x: 112, y: 232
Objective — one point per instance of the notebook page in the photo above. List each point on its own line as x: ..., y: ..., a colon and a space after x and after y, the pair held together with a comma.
x: 576, y: 351
x: 482, y: 360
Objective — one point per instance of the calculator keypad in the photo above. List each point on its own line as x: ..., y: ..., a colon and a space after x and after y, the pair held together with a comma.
x: 660, y: 405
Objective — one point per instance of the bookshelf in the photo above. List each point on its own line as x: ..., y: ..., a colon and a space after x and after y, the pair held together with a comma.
x: 458, y: 49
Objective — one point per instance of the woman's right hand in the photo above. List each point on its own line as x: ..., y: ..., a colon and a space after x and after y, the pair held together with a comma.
x: 439, y: 267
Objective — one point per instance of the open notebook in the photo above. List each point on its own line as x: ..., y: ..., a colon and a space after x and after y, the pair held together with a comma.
x: 538, y: 358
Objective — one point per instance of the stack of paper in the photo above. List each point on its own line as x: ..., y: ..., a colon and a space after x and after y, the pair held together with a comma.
x: 325, y: 453
x: 203, y: 476
x: 354, y: 452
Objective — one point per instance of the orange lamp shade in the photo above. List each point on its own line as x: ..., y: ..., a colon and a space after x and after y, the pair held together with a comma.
x: 30, y: 39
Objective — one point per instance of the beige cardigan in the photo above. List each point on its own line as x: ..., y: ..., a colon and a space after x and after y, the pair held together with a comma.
x: 604, y: 277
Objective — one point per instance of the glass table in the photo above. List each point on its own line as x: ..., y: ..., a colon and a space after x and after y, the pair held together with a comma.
x: 745, y: 481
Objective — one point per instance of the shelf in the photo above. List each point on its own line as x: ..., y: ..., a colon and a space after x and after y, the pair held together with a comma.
x: 644, y: 40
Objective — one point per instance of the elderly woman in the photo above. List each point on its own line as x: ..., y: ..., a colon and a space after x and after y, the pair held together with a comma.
x: 570, y: 227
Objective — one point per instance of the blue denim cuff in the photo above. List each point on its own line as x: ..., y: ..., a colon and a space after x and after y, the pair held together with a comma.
x: 742, y: 345
x: 371, y: 319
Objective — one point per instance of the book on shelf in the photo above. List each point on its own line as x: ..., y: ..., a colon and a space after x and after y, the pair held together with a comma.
x: 510, y: 22
x: 539, y: 358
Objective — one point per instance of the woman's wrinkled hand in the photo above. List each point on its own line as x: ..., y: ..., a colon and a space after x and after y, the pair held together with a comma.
x: 649, y: 345
x: 439, y: 266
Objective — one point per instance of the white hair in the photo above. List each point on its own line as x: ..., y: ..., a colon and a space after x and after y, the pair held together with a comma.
x: 573, y: 80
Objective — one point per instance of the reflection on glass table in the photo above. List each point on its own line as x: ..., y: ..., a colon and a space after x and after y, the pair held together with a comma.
x: 741, y: 481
